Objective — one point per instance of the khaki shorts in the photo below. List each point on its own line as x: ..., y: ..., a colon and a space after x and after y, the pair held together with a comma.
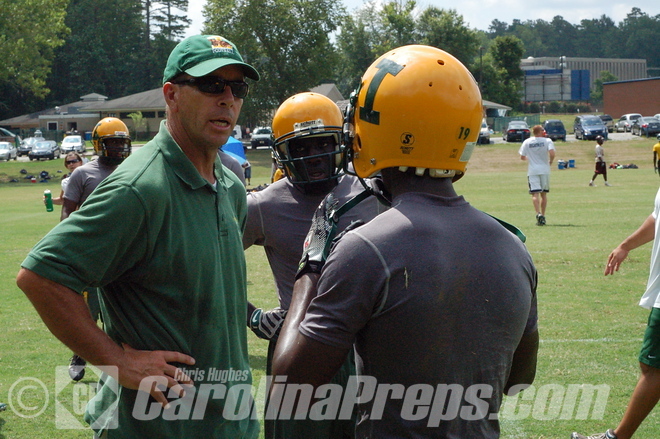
x: 538, y: 183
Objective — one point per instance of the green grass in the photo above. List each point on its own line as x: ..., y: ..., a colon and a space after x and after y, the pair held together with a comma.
x: 591, y: 326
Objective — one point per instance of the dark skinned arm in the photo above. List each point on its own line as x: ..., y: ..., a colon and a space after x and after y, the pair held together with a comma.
x: 68, y: 207
x: 300, y: 358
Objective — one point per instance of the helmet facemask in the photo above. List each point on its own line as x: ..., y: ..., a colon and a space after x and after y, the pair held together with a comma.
x: 114, y: 150
x: 311, y: 160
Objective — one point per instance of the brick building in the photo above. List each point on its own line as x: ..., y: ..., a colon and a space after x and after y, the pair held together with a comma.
x: 634, y: 96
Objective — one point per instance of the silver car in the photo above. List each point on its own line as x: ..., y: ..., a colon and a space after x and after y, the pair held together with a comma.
x: 8, y: 151
x: 625, y: 122
x: 73, y: 143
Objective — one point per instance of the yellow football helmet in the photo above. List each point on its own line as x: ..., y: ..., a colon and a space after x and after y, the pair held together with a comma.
x: 416, y: 106
x: 303, y: 116
x: 104, y: 132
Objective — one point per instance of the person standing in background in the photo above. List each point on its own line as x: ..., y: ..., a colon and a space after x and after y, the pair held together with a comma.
x: 71, y: 161
x: 539, y: 151
x: 601, y: 166
x: 646, y: 394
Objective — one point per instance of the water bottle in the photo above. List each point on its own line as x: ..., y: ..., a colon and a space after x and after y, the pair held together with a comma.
x: 49, y: 200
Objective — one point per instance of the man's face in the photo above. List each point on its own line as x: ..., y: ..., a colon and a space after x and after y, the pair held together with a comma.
x: 117, y: 147
x: 320, y: 165
x: 202, y: 119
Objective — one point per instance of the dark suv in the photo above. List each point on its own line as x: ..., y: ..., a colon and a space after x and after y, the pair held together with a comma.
x: 588, y: 127
x: 554, y: 129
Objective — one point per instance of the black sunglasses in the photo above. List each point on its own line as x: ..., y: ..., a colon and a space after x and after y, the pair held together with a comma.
x: 69, y: 162
x: 216, y: 86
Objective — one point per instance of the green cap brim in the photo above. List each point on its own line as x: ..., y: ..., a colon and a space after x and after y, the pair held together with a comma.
x: 208, y: 66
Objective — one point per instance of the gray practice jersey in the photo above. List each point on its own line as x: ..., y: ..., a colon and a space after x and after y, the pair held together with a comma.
x: 84, y: 180
x: 435, y: 295
x: 280, y: 216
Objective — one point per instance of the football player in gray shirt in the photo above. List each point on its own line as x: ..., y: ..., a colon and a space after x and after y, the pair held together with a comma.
x: 308, y: 132
x: 437, y: 298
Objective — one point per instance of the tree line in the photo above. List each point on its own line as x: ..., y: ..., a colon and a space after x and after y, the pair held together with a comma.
x: 55, y: 51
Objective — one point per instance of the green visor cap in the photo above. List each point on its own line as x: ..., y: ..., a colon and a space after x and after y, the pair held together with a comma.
x: 200, y: 55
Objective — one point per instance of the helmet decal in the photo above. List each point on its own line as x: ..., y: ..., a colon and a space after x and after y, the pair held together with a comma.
x: 385, y: 67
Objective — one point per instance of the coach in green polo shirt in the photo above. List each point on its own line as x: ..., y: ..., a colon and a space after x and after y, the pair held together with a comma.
x: 161, y: 237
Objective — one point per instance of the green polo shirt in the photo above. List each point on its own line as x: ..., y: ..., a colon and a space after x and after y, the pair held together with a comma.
x: 165, y: 247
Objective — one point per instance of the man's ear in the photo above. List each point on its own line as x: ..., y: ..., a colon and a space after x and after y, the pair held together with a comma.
x: 170, y: 92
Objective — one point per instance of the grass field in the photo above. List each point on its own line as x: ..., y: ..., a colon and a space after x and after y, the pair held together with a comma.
x: 590, y: 326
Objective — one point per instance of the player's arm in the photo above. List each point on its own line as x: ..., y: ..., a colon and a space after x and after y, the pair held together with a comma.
x: 645, y: 233
x: 655, y: 161
x: 523, y: 367
x: 68, y: 207
x: 298, y: 357
x: 66, y: 315
x: 551, y: 153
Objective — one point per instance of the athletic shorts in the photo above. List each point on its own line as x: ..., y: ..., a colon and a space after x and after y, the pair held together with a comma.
x: 539, y: 183
x: 601, y: 168
x: 650, y: 352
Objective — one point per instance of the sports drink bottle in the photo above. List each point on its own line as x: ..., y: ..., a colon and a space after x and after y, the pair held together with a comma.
x: 49, y: 200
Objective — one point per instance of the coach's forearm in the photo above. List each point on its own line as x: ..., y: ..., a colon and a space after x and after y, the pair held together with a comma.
x: 67, y: 316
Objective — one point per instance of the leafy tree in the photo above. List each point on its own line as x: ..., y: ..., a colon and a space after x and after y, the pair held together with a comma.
x: 167, y: 21
x: 30, y: 31
x: 138, y: 122
x: 498, y: 28
x: 639, y: 34
x: 505, y: 84
x: 288, y: 41
x: 595, y: 38
x: 597, y: 92
x: 507, y: 52
x: 356, y: 49
x: 102, y: 54
x: 446, y: 30
x: 397, y: 25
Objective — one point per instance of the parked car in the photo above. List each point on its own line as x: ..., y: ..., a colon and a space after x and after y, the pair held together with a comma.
x: 516, y: 131
x: 608, y: 121
x: 657, y: 116
x: 554, y: 129
x: 262, y: 136
x: 625, y: 122
x: 73, y: 143
x: 47, y: 149
x: 484, y: 133
x: 588, y: 127
x: 26, y: 145
x: 8, y: 151
x: 646, y: 126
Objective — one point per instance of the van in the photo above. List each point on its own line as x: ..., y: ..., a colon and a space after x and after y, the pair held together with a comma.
x: 588, y: 127
x: 554, y: 129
